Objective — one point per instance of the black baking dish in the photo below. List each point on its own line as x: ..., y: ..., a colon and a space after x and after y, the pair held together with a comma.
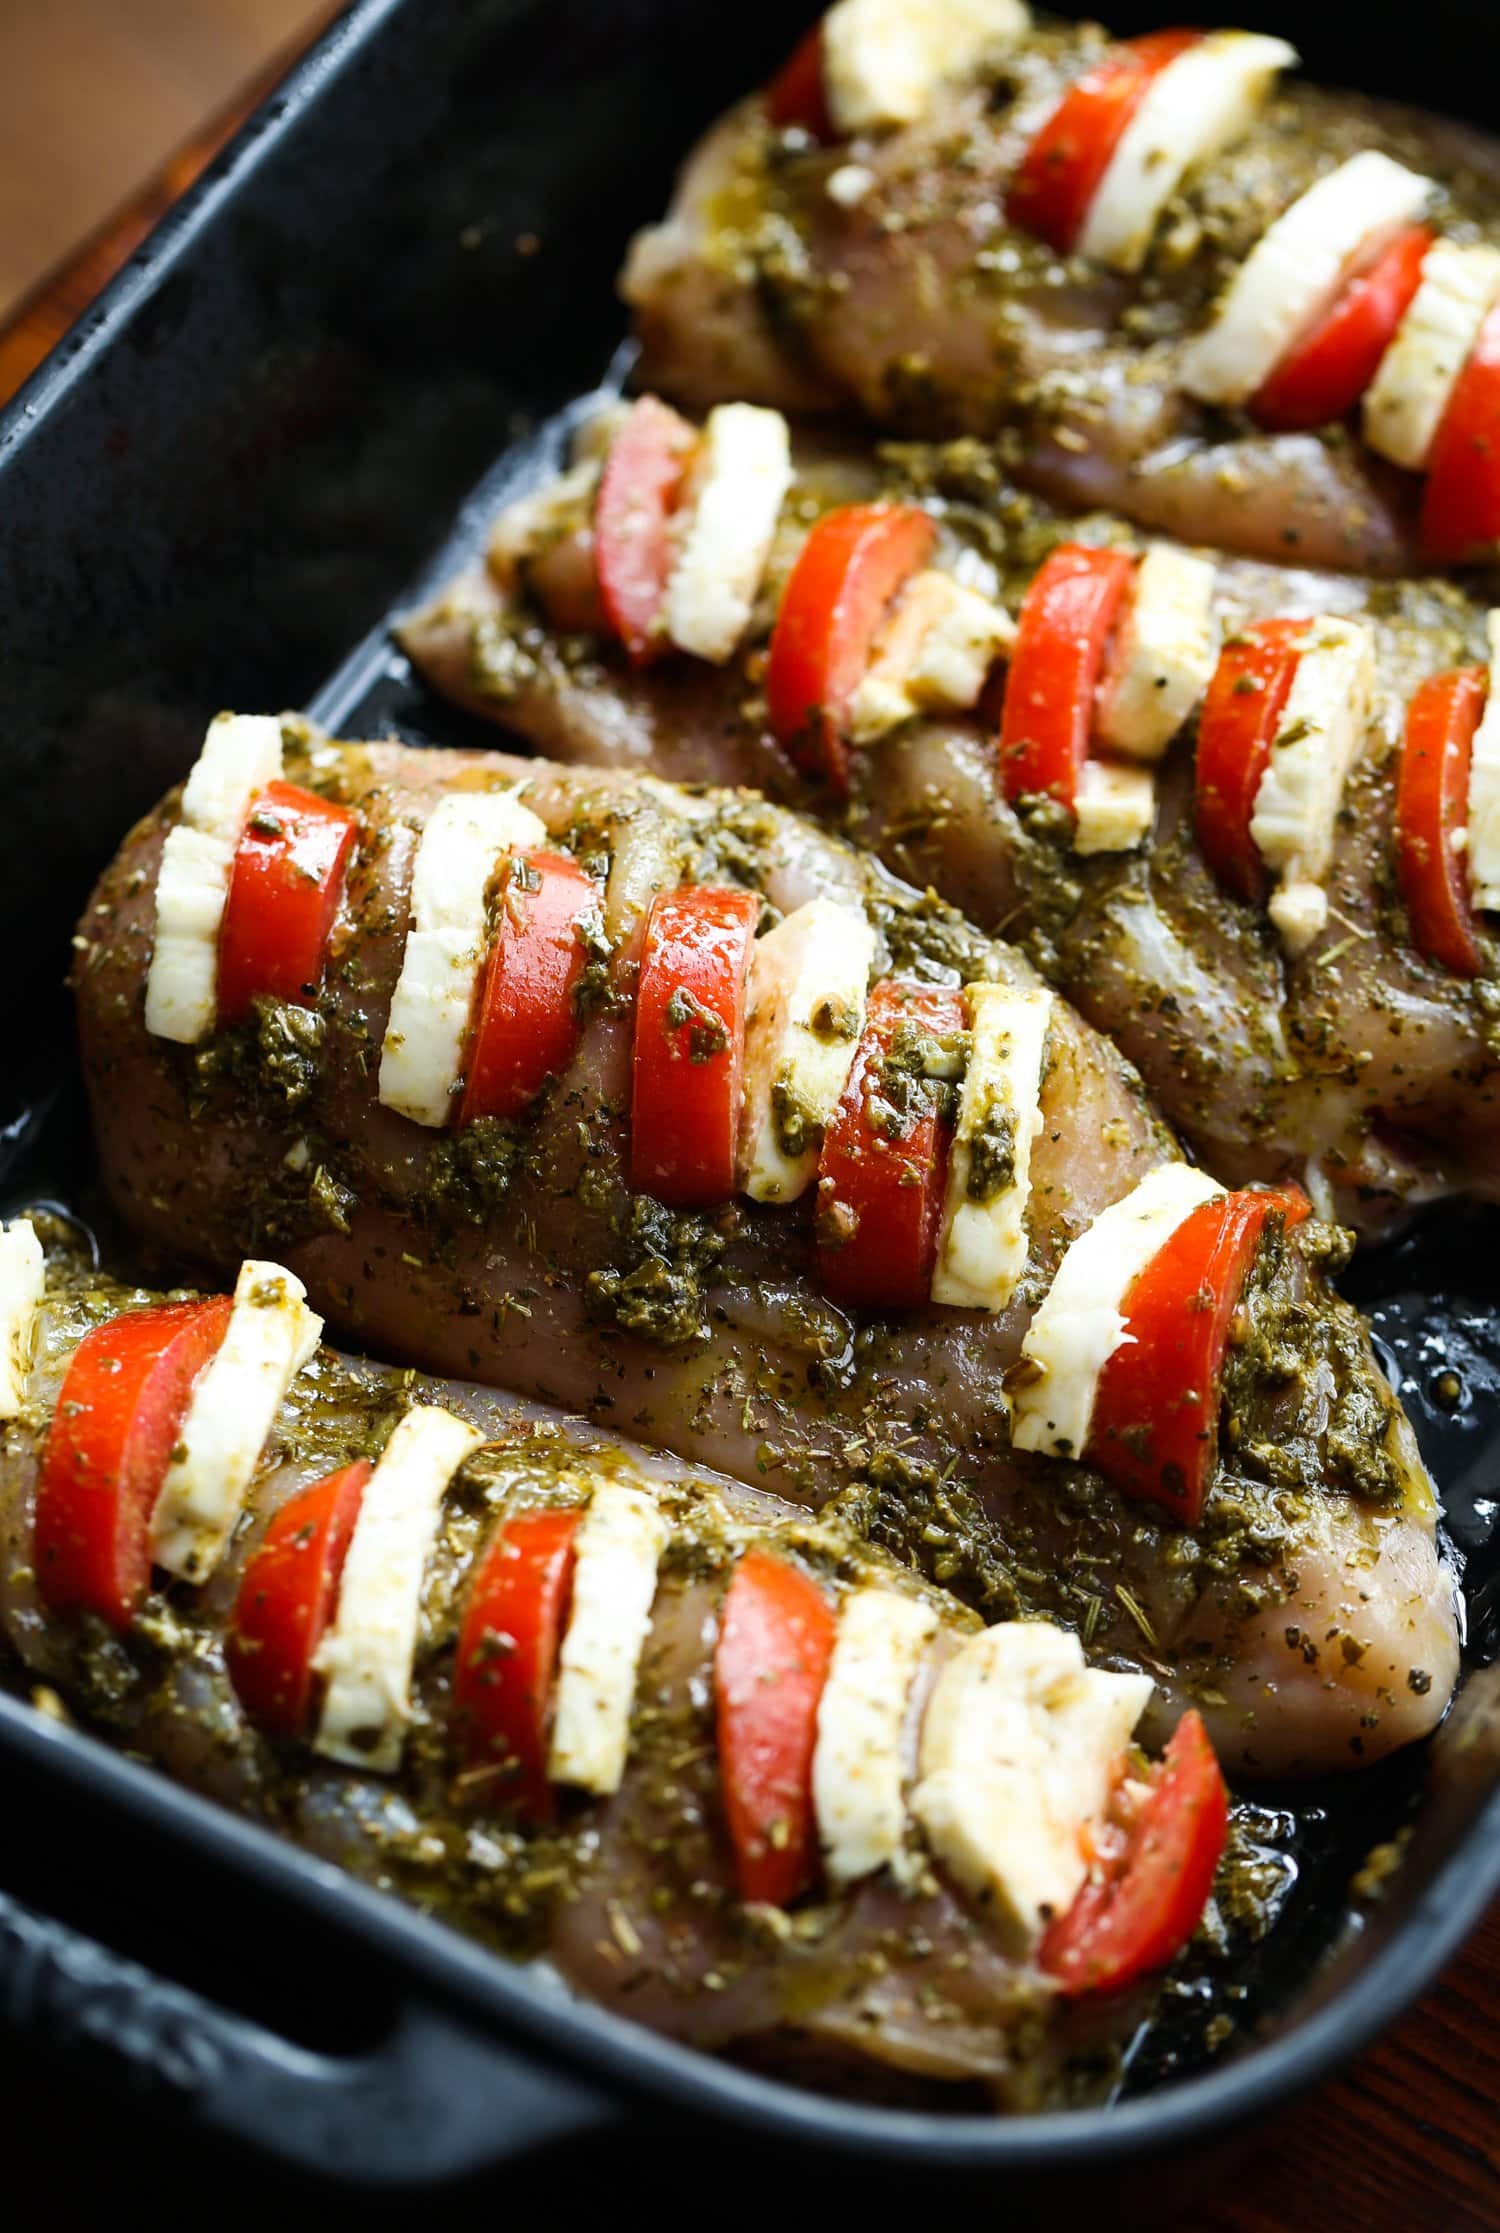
x: 214, y: 493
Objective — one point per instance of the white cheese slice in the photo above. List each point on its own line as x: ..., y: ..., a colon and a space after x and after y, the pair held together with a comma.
x: 460, y: 849
x: 1195, y: 108
x: 269, y: 1338
x: 805, y: 1012
x: 1295, y: 271
x: 859, y: 1770
x: 1483, y: 840
x: 1115, y: 806
x: 1405, y: 402
x: 934, y: 656
x: 1164, y: 653
x: 241, y: 754
x: 23, y: 1280
x: 983, y: 1244
x: 742, y: 470
x: 368, y: 1650
x: 884, y: 59
x: 1021, y: 1744
x: 614, y: 1585
x: 1081, y: 1323
x: 1320, y: 737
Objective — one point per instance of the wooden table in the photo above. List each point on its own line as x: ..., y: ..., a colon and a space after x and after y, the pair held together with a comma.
x: 1410, y: 2138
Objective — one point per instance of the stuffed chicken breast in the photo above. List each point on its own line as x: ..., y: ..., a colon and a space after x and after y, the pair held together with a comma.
x: 1178, y: 280
x: 717, y: 1765
x: 1245, y: 816
x: 666, y: 1108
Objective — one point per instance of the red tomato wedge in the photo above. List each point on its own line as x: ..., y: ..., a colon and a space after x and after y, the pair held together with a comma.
x: 1155, y: 1426
x: 287, y: 1597
x: 1242, y: 709
x: 775, y: 1641
x: 883, y: 1169
x: 1060, y: 172
x: 690, y: 1044
x: 796, y: 95
x: 1461, y: 502
x: 1432, y: 803
x: 1062, y: 636
x: 848, y: 572
x: 1138, y: 1915
x: 1323, y: 376
x: 507, y: 1653
x: 639, y: 490
x: 528, y: 1028
x: 119, y: 1413
x: 284, y: 892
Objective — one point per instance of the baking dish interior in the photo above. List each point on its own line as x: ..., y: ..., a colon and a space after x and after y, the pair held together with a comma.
x: 217, y: 493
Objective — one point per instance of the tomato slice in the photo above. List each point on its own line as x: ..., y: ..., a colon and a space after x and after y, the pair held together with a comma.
x: 1432, y: 803
x: 1138, y: 1916
x: 639, y: 490
x: 528, y: 1027
x: 1461, y: 503
x: 1062, y: 636
x: 1242, y: 709
x: 690, y: 1044
x: 796, y: 96
x: 507, y: 1653
x: 1155, y: 1426
x: 119, y: 1413
x: 1322, y: 377
x: 1061, y: 171
x: 776, y: 1637
x: 284, y: 892
x: 840, y: 590
x: 287, y: 1597
x: 884, y: 1162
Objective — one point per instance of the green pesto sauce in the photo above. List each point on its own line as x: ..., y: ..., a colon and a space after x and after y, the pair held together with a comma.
x: 992, y: 1154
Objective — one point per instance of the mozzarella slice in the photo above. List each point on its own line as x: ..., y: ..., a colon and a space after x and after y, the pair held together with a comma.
x: 935, y: 655
x: 1195, y: 108
x: 806, y: 1010
x: 1405, y: 402
x: 983, y: 1240
x: 241, y: 754
x: 460, y: 850
x: 1114, y: 807
x: 884, y: 59
x: 1021, y: 1744
x: 270, y: 1336
x: 1483, y: 839
x: 23, y: 1280
x: 1081, y: 1323
x: 1164, y: 654
x: 367, y: 1652
x: 742, y: 471
x: 1296, y: 806
x: 614, y: 1585
x: 859, y: 1774
x: 1295, y: 271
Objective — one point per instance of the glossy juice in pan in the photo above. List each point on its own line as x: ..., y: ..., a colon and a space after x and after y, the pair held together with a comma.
x: 216, y: 494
